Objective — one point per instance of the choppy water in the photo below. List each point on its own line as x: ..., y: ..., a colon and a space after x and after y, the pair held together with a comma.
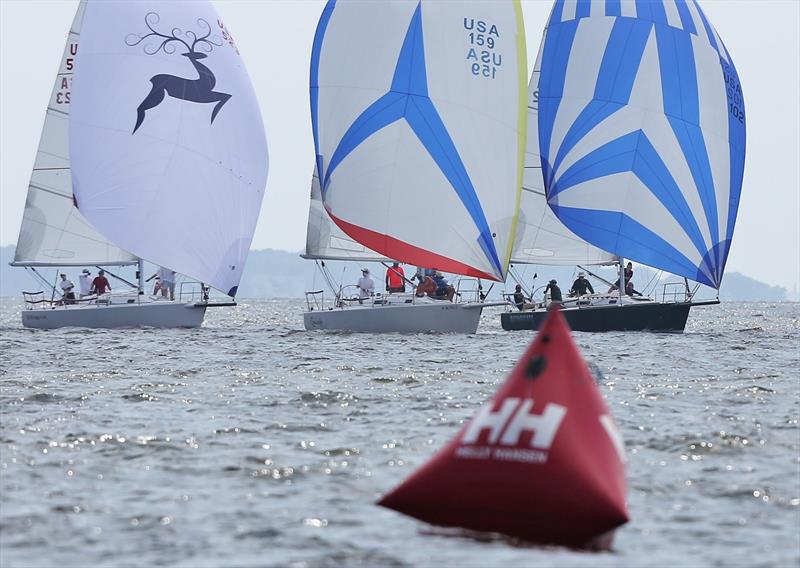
x: 251, y: 442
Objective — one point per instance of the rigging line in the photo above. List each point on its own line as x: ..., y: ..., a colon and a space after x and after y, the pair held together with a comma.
x: 595, y: 275
x: 325, y: 275
x: 656, y: 273
x: 120, y: 278
x: 534, y: 191
x: 53, y: 297
x: 41, y: 278
x: 48, y: 169
x: 512, y: 271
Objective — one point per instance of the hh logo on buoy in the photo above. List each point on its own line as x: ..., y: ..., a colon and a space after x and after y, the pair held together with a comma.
x: 507, y: 426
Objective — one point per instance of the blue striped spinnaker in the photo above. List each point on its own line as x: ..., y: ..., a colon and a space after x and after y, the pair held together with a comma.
x: 642, y: 132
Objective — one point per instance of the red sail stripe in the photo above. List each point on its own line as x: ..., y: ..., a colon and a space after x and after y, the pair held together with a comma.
x: 403, y: 252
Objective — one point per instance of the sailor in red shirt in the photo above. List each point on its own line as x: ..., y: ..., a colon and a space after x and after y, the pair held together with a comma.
x: 395, y: 278
x: 100, y: 284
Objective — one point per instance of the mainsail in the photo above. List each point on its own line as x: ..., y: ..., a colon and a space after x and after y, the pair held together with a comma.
x: 642, y: 132
x: 325, y: 240
x: 53, y: 232
x: 418, y: 115
x: 542, y: 238
x: 168, y: 148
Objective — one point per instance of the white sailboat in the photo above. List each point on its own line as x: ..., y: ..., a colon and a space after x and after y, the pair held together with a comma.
x: 419, y: 132
x: 636, y: 151
x: 138, y: 160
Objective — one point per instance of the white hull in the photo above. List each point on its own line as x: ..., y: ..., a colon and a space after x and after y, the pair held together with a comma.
x: 439, y: 316
x: 155, y: 314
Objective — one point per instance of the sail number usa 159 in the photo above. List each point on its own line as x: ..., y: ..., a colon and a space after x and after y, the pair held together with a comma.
x: 482, y: 40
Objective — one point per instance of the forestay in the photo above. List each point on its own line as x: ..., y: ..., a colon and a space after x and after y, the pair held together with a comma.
x: 542, y: 238
x: 168, y: 149
x: 325, y: 240
x: 642, y: 132
x: 418, y: 113
x: 53, y: 232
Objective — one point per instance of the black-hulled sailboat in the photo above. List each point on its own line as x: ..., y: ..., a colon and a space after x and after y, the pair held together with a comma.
x: 635, y: 151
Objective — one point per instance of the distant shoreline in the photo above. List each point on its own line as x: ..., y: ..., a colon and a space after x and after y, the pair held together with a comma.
x: 273, y: 274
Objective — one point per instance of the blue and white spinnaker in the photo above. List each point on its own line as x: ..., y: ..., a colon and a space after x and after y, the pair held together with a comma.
x: 642, y: 132
x: 418, y: 113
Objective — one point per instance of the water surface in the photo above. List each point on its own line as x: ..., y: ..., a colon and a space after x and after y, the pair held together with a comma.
x: 250, y: 442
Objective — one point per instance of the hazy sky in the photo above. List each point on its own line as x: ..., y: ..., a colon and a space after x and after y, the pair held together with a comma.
x: 274, y: 37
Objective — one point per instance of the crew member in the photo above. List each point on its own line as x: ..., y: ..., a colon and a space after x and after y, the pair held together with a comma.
x: 167, y: 282
x: 443, y: 289
x: 366, y: 287
x: 519, y: 297
x: 395, y: 278
x: 580, y: 286
x: 67, y: 290
x: 100, y: 284
x: 555, y: 291
x: 85, y: 282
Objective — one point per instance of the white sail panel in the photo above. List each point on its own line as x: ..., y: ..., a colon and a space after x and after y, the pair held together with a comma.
x: 541, y: 237
x: 168, y: 147
x: 642, y: 133
x: 419, y: 128
x: 53, y: 231
x: 325, y: 240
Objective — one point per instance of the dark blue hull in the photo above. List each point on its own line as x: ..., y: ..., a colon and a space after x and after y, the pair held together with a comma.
x: 630, y: 317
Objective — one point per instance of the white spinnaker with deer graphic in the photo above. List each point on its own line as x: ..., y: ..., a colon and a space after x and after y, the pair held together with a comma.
x: 169, y: 153
x: 53, y: 231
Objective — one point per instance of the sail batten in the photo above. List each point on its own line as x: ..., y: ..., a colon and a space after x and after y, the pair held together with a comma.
x: 417, y: 128
x: 53, y: 231
x: 642, y: 133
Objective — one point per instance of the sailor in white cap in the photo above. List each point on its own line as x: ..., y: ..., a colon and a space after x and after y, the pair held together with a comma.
x: 580, y: 286
x: 85, y: 282
x: 67, y: 289
x: 366, y: 287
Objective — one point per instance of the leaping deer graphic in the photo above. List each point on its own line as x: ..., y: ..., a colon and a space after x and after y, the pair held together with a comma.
x: 198, y: 90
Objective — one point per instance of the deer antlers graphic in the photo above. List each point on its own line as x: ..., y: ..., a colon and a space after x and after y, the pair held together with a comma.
x: 198, y: 90
x: 151, y: 20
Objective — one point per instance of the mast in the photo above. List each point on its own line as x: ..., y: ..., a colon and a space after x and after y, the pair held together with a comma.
x: 621, y: 281
x: 140, y: 275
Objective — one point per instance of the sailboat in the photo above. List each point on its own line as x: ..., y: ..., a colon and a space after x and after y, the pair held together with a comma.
x: 419, y: 134
x: 146, y: 153
x: 636, y: 152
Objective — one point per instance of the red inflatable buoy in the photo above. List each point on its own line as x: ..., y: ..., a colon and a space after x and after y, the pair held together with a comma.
x: 541, y: 461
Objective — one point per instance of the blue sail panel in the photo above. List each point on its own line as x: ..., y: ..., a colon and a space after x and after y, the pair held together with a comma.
x: 663, y: 108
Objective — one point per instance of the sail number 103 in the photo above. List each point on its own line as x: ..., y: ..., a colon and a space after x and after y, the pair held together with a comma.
x: 483, y: 37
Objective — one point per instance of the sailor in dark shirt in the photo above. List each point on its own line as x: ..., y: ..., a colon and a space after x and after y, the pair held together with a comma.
x: 555, y: 291
x: 580, y: 286
x: 519, y: 297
